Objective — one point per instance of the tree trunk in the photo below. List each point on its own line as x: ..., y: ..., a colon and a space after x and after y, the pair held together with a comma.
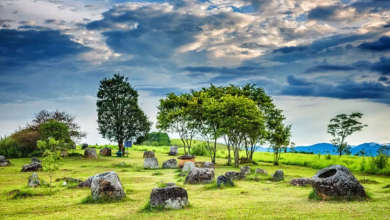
x: 120, y: 144
x: 215, y: 150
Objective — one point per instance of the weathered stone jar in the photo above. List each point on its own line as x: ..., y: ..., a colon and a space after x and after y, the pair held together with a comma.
x: 337, y: 182
x: 184, y: 159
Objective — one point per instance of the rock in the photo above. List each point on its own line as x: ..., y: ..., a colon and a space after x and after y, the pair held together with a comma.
x: 224, y: 180
x: 170, y: 164
x: 245, y: 170
x: 245, y: 160
x: 107, y: 185
x: 151, y: 163
x: 105, y: 152
x: 337, y: 182
x: 32, y: 167
x: 300, y: 182
x: 171, y: 184
x: 33, y: 180
x: 278, y: 176
x: 173, y: 151
x: 208, y: 165
x: 4, y: 161
x: 87, y: 183
x: 204, y: 165
x: 261, y: 171
x: 169, y: 197
x: 64, y: 153
x: 69, y: 180
x: 188, y: 166
x: 184, y: 159
x: 64, y: 184
x: 84, y: 146
x: 235, y: 175
x: 35, y: 160
x: 149, y: 154
x: 90, y: 153
x: 200, y: 176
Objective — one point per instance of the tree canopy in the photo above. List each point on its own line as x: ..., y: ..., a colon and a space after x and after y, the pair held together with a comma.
x: 119, y: 116
x: 342, y: 126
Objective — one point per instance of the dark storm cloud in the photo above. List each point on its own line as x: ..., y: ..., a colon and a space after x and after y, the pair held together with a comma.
x: 329, y: 68
x: 54, y: 21
x: 18, y: 48
x: 344, y: 90
x: 297, y: 81
x: 382, y: 66
x: 381, y: 44
x: 329, y: 13
x: 149, y: 31
x: 383, y: 79
x: 324, y: 13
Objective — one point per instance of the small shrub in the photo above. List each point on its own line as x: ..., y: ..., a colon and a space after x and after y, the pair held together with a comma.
x: 328, y: 156
x: 380, y: 161
x: 314, y: 196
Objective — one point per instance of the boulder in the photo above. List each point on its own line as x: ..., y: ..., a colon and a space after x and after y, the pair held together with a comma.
x: 224, y: 180
x: 337, y: 182
x: 32, y: 167
x: 172, y: 197
x: 105, y: 152
x: 64, y: 153
x: 184, y: 159
x: 200, y: 176
x: 278, y: 176
x: 300, y: 182
x: 33, y: 180
x: 244, y: 160
x: 4, y: 161
x: 204, y: 165
x: 208, y: 165
x: 173, y: 151
x: 90, y: 153
x: 87, y: 183
x: 107, y: 185
x: 261, y: 171
x: 35, y: 160
x: 149, y: 154
x: 170, y: 164
x: 84, y: 146
x: 70, y: 180
x: 245, y: 170
x: 235, y: 175
x: 188, y: 166
x: 171, y: 184
x: 151, y: 163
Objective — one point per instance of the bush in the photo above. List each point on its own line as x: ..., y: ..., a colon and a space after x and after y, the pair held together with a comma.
x: 27, y: 140
x: 380, y: 161
x: 200, y: 150
x: 9, y: 148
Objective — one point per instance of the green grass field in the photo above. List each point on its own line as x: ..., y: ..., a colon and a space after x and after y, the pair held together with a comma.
x: 248, y: 200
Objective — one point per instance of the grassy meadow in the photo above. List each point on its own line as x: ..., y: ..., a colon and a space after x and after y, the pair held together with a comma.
x: 263, y: 199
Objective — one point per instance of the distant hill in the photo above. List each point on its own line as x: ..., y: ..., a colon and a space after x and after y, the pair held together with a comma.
x: 323, y: 148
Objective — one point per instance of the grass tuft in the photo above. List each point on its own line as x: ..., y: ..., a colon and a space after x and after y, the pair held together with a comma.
x: 157, y: 174
x: 214, y: 185
x: 104, y: 200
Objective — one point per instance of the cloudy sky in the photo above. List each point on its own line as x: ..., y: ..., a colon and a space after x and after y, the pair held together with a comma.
x: 317, y: 58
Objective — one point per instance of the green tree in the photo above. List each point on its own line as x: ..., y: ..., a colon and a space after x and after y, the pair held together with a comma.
x: 52, y: 157
x: 69, y: 120
x: 176, y: 115
x: 241, y: 116
x: 279, y: 134
x: 119, y: 116
x: 343, y: 126
x: 55, y: 129
x: 161, y: 137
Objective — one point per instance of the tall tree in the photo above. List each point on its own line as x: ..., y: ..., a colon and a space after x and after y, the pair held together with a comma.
x: 64, y: 117
x: 176, y: 115
x: 119, y: 116
x: 343, y: 126
x: 279, y: 133
x: 240, y: 115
